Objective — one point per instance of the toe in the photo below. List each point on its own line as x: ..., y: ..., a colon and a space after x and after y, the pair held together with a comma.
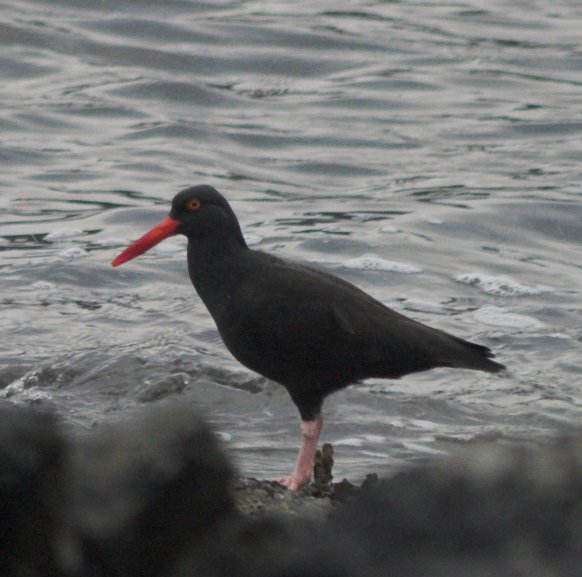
x: 293, y: 482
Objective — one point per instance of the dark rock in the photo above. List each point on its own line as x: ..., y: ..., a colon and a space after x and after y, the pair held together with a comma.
x: 149, y: 491
x: 32, y: 491
x: 156, y: 497
x: 492, y: 510
x: 256, y: 499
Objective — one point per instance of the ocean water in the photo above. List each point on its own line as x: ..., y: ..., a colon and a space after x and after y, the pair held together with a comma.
x: 429, y: 152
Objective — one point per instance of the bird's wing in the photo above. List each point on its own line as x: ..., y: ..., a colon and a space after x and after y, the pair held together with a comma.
x: 298, y: 320
x: 302, y: 316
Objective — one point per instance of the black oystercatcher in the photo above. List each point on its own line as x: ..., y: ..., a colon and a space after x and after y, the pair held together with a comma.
x: 310, y: 331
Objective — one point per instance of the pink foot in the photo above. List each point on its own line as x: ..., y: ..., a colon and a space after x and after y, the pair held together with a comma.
x: 294, y: 482
x: 301, y: 475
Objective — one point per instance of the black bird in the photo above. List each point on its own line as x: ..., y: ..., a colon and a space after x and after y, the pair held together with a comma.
x: 308, y: 330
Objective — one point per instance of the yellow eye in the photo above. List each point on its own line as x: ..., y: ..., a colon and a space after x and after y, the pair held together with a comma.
x: 193, y: 204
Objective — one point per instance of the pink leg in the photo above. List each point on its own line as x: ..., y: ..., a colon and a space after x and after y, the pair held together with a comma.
x: 310, y: 431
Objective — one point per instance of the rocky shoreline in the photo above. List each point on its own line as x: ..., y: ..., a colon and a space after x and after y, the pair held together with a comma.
x: 157, y: 496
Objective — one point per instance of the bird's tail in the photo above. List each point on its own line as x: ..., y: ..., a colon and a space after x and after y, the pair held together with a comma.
x: 480, y: 360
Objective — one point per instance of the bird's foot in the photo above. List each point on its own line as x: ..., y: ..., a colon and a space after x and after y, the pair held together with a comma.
x: 303, y: 471
x: 295, y: 481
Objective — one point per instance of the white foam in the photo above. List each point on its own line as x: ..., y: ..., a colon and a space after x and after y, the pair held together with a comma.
x: 44, y: 285
x: 110, y: 242
x: 73, y: 252
x: 500, y: 285
x: 349, y: 442
x: 423, y: 424
x: 498, y: 317
x: 12, y: 389
x: 63, y: 233
x: 424, y: 307
x: 18, y: 390
x: 252, y: 239
x: 390, y: 229
x: 375, y: 438
x: 169, y: 248
x: 421, y: 448
x: 374, y: 262
x: 376, y: 454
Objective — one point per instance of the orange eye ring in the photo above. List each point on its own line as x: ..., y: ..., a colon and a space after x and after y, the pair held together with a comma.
x: 193, y: 204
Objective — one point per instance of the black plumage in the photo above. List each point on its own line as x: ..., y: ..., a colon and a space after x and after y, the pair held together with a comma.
x: 307, y: 329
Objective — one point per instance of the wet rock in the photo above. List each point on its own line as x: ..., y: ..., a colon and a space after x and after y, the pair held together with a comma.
x: 171, y: 385
x: 32, y: 489
x: 490, y: 510
x: 156, y: 497
x: 256, y: 499
x: 148, y: 491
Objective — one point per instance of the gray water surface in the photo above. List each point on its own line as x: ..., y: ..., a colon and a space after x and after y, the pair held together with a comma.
x: 428, y: 152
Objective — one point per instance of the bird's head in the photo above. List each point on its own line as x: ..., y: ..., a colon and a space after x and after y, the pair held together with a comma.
x: 199, y: 212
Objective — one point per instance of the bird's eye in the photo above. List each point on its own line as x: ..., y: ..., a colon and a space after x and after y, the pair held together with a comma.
x: 193, y: 204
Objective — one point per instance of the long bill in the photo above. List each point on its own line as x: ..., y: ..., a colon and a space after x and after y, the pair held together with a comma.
x: 167, y: 227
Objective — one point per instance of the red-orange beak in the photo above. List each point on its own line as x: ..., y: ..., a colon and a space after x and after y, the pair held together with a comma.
x: 164, y: 229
